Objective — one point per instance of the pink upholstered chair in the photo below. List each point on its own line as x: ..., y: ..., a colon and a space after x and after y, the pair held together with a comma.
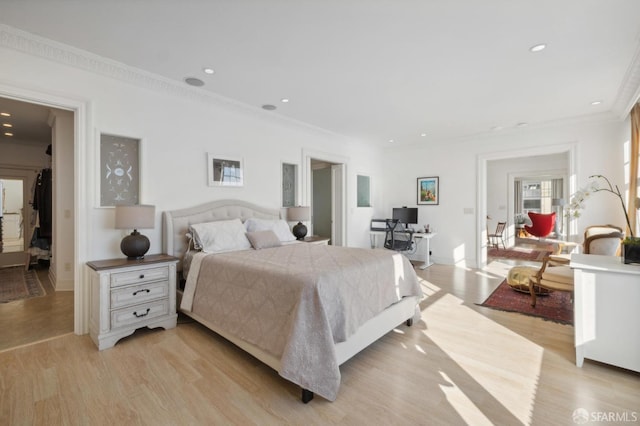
x: 541, y: 224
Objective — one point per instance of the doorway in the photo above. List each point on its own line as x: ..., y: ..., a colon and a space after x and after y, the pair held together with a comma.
x: 31, y: 151
x: 324, y: 191
x: 484, y: 162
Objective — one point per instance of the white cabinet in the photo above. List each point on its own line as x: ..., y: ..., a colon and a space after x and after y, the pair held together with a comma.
x: 130, y: 294
x: 607, y: 318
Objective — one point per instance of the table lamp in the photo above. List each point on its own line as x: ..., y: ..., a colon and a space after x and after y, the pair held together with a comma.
x: 299, y: 214
x: 135, y: 245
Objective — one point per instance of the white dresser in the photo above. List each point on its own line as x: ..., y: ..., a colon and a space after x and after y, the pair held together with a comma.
x: 130, y: 294
x: 606, y: 310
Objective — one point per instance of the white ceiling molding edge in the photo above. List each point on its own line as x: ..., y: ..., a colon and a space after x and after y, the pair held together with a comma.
x: 629, y: 92
x: 45, y: 48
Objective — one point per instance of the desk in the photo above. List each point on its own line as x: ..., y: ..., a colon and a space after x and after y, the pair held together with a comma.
x: 426, y: 236
x: 606, y: 315
x: 418, y: 236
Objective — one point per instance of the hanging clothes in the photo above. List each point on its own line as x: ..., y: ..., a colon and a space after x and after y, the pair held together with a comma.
x: 42, y: 204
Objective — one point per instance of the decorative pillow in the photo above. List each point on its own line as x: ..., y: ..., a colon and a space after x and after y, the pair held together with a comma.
x: 220, y: 236
x: 263, y: 239
x: 279, y: 227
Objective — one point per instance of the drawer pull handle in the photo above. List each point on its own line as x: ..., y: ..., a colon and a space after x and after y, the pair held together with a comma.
x: 135, y: 293
x: 141, y: 276
x: 142, y: 315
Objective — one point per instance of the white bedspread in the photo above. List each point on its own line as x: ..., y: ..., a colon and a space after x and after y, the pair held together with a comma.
x: 296, y: 301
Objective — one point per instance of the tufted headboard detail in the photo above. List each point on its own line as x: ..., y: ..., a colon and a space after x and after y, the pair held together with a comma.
x: 176, y: 223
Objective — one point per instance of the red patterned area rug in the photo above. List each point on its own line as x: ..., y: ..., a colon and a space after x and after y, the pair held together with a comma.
x: 518, y: 253
x: 16, y: 284
x: 555, y: 306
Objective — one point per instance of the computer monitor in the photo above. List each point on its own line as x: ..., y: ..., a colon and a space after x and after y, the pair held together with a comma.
x: 406, y: 214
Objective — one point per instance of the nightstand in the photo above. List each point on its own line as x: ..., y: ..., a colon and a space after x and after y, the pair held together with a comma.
x: 315, y: 239
x: 129, y: 294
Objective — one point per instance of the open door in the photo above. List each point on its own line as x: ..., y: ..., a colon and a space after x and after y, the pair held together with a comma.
x: 324, y: 190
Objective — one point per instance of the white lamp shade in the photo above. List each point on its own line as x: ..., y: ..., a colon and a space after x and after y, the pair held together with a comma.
x: 135, y: 217
x: 299, y: 214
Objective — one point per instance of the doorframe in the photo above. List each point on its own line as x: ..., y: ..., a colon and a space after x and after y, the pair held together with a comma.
x: 339, y: 190
x: 481, y: 182
x: 81, y: 164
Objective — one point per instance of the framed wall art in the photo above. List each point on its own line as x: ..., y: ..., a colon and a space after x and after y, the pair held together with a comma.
x: 363, y: 189
x: 289, y: 184
x: 119, y: 170
x: 428, y: 190
x: 225, y: 171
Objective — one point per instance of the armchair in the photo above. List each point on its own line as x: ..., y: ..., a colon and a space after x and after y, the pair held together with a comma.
x: 602, y: 239
x: 541, y: 224
x: 555, y: 274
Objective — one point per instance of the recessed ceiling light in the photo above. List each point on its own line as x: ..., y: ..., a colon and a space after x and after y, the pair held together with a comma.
x: 208, y: 70
x: 284, y: 100
x: 391, y: 141
x: 5, y: 114
x: 496, y: 128
x: 522, y: 124
x: 8, y: 134
x: 594, y: 103
x: 538, y: 47
x: 192, y: 81
x: 423, y: 134
x: 7, y: 125
x: 268, y: 107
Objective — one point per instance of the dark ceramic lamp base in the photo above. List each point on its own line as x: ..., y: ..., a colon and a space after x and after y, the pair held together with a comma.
x: 300, y: 231
x: 135, y: 246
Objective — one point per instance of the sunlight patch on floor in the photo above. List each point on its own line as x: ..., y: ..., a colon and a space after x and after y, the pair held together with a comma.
x: 478, y: 345
x: 462, y: 404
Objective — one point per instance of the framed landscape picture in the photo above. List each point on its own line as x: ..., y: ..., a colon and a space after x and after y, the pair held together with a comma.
x: 225, y: 171
x: 428, y: 190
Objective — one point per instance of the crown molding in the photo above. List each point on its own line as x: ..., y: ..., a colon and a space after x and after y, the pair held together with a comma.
x: 52, y: 50
x: 629, y: 92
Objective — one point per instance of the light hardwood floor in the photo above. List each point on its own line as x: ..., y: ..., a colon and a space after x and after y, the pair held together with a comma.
x: 38, y: 318
x: 461, y: 364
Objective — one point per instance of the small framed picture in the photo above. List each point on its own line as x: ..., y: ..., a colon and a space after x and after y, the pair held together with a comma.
x: 428, y: 190
x: 225, y: 171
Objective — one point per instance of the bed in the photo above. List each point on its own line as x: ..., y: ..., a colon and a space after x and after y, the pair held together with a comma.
x: 302, y: 309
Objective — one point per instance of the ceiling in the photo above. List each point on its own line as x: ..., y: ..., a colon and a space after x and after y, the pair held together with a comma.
x: 411, y: 71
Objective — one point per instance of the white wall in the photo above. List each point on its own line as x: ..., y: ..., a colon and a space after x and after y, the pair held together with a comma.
x: 599, y: 151
x: 177, y: 132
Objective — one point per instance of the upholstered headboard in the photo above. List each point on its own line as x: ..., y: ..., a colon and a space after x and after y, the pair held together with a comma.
x: 176, y: 223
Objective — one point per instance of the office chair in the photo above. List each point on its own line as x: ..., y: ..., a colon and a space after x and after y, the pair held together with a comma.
x: 397, y: 236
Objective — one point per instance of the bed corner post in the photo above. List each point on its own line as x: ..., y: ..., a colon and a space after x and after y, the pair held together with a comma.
x: 307, y: 395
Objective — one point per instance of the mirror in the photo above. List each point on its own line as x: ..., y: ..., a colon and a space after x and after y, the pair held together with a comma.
x: 12, y: 205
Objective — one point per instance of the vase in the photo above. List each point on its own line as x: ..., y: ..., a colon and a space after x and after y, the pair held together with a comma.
x: 631, y: 252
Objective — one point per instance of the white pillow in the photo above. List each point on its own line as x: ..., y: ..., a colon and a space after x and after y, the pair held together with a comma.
x: 279, y: 227
x: 220, y: 236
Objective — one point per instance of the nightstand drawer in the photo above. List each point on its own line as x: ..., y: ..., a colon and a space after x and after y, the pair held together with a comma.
x: 139, y: 276
x: 136, y: 294
x: 139, y: 313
